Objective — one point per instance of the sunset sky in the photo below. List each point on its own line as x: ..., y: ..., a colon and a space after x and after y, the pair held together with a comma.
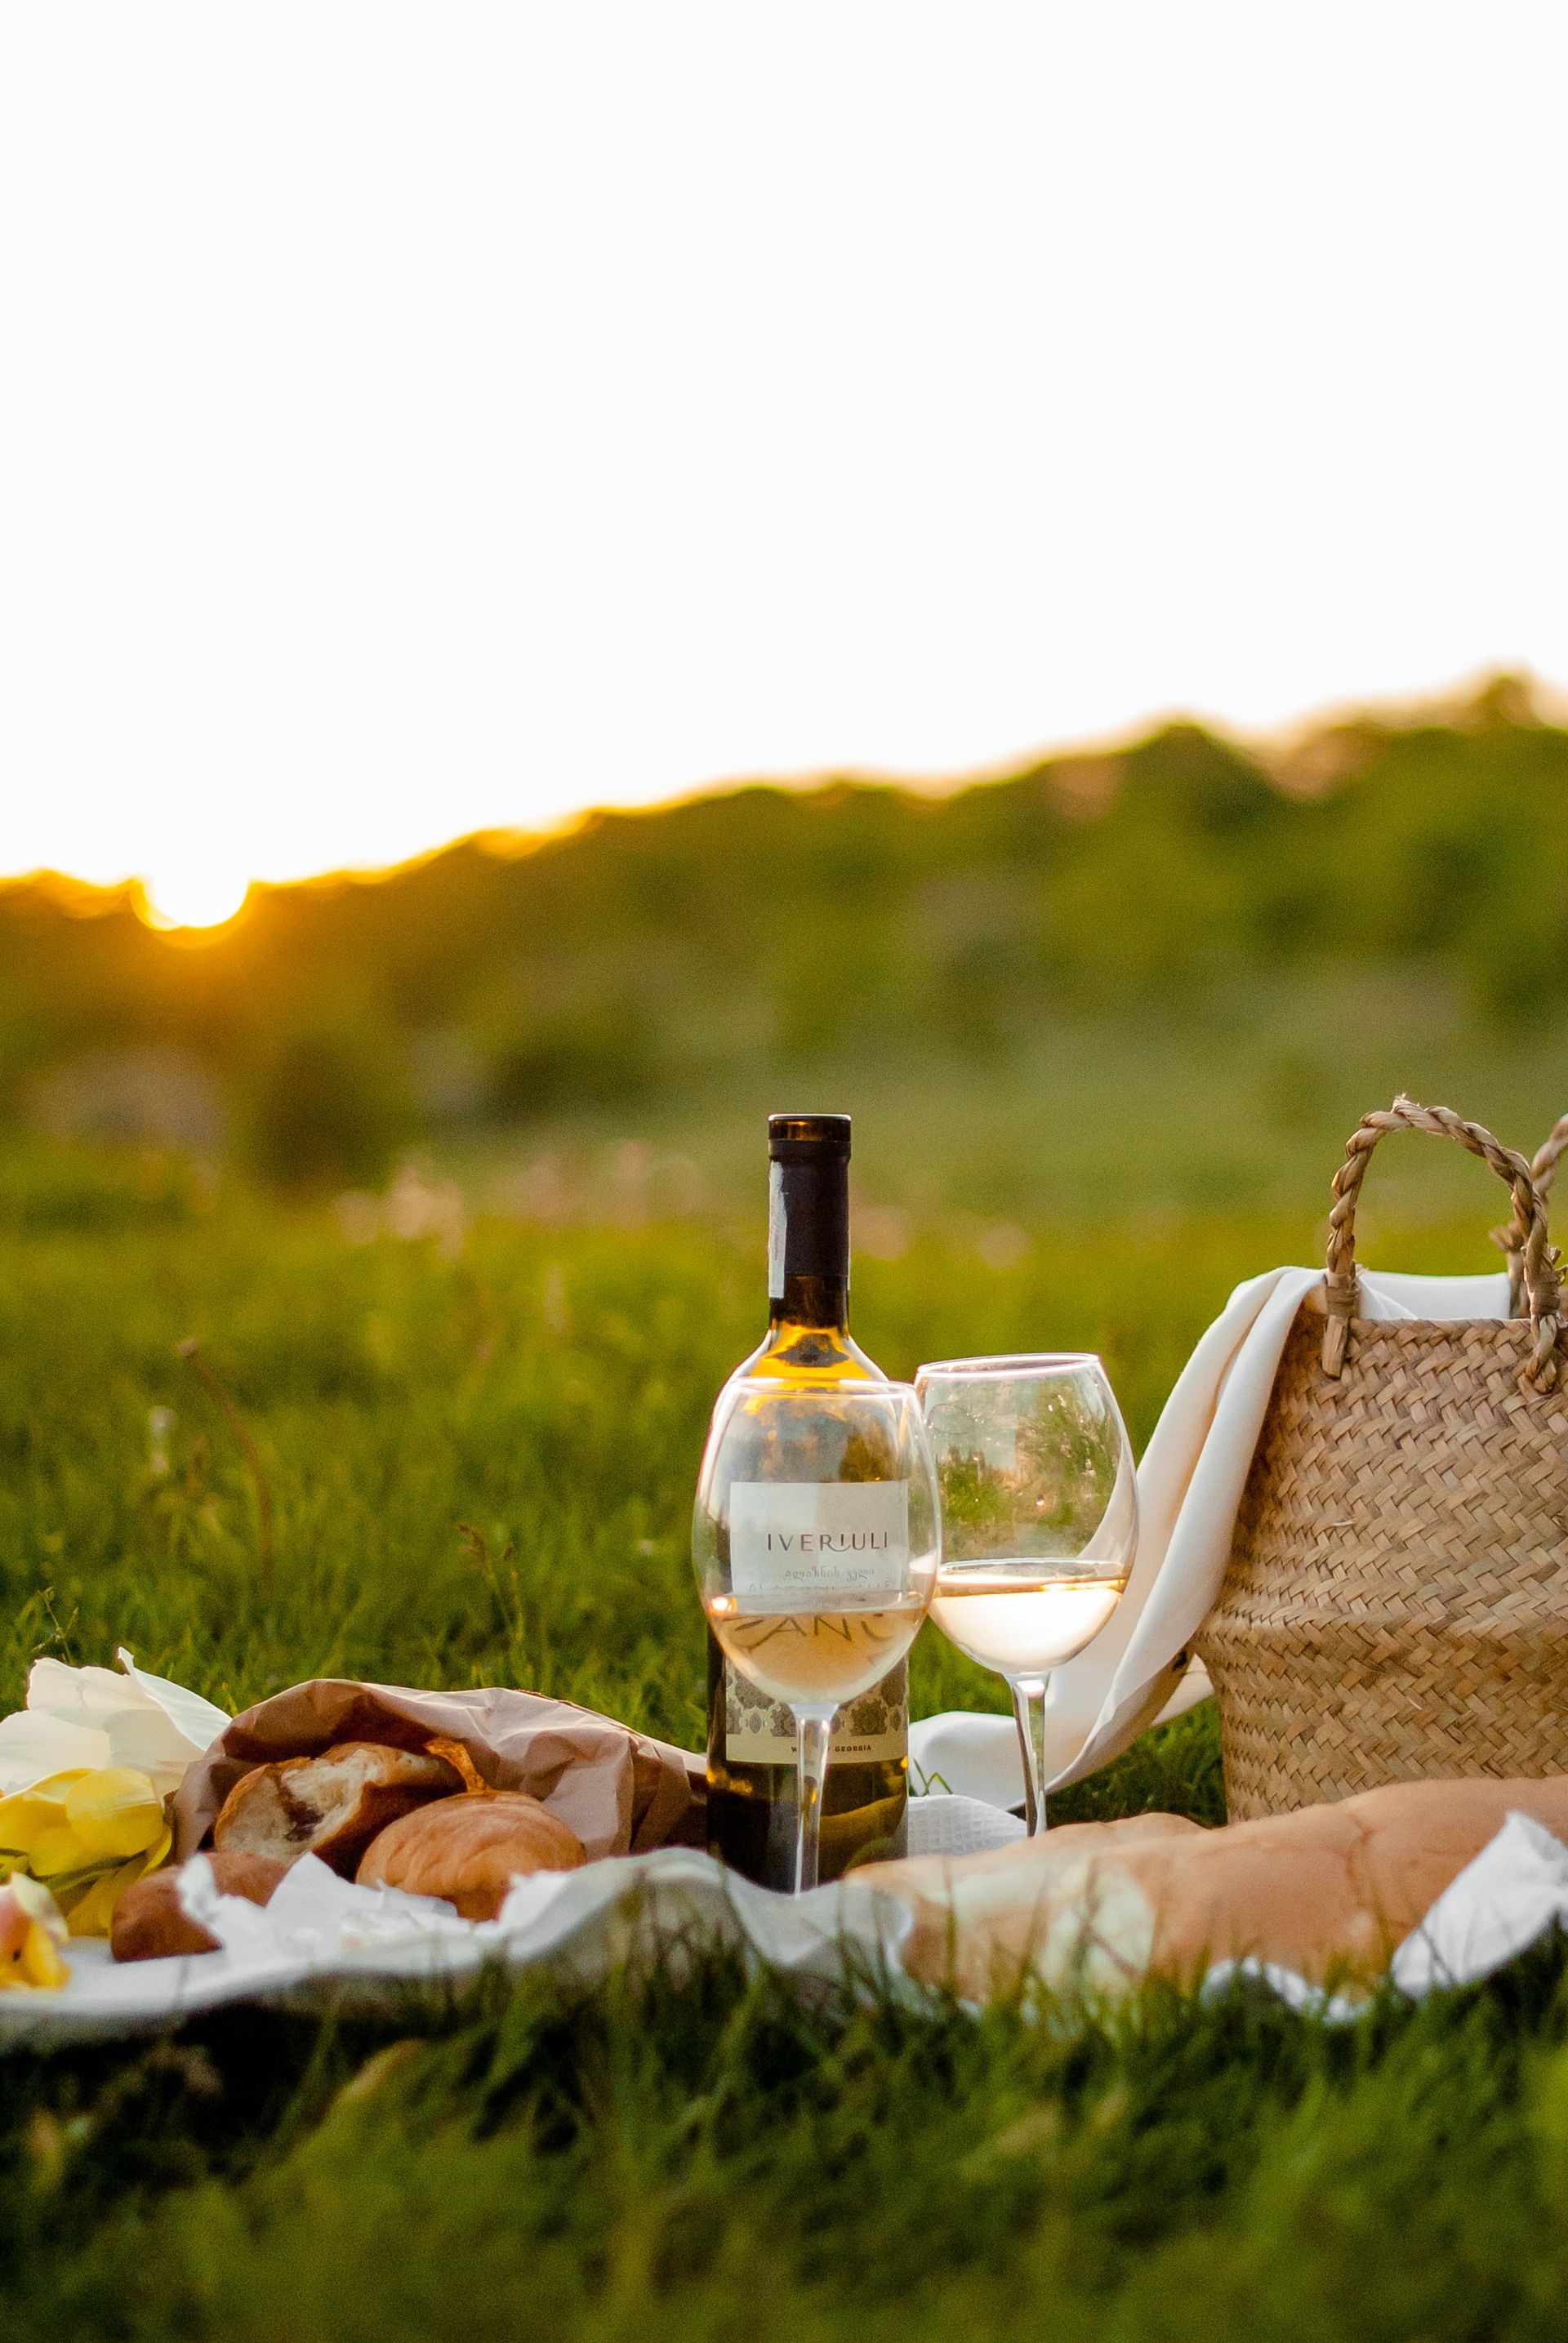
x: 416, y: 419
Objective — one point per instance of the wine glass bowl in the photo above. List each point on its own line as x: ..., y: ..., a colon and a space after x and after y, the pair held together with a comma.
x: 839, y: 1653
x: 815, y: 1539
x: 1040, y: 1520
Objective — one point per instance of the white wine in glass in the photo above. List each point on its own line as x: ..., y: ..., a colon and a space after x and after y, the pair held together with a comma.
x: 1040, y: 1522
x: 1022, y: 1621
x: 801, y: 1655
x: 815, y: 1539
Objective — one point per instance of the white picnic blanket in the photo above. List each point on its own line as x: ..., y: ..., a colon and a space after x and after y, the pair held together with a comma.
x: 1190, y: 1484
x: 321, y: 1934
x: 323, y: 1939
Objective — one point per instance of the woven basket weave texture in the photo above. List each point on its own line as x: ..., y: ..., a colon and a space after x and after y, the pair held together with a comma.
x: 1396, y: 1602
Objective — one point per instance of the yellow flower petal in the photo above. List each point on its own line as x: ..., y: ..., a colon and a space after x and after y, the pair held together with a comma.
x: 40, y: 1963
x: 114, y: 1812
x: 55, y: 1851
x: 26, y: 1814
x: 89, y: 1832
x: 92, y: 1911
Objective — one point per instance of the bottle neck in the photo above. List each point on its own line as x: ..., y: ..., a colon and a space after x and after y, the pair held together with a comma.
x: 809, y: 1269
x: 815, y: 1302
x: 808, y: 1235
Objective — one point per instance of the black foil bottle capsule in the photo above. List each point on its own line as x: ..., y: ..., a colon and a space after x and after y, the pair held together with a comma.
x: 750, y: 1738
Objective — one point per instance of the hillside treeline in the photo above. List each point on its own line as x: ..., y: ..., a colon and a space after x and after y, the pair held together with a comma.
x: 505, y: 979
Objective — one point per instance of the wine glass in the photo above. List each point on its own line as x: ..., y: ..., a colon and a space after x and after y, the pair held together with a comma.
x: 815, y: 1538
x: 1040, y: 1522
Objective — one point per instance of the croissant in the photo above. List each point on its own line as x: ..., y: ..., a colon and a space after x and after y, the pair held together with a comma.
x: 470, y: 1849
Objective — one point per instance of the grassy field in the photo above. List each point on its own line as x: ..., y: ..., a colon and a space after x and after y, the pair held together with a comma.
x: 477, y: 1449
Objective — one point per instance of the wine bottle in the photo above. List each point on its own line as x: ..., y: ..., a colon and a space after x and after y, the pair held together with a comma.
x: 752, y: 1738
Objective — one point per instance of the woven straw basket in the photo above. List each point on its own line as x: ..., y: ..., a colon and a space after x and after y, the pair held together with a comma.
x: 1396, y: 1602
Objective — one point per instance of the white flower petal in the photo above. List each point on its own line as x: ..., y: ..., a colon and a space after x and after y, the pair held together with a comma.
x: 93, y: 1716
x: 54, y: 1689
x: 87, y: 1696
x: 35, y: 1744
x: 149, y: 1743
x: 199, y: 1720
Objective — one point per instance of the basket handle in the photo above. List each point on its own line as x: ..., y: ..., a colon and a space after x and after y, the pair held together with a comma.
x: 1538, y: 1261
x: 1543, y: 1171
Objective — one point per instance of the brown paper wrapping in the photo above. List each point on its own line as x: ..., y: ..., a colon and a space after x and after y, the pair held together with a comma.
x: 621, y: 1791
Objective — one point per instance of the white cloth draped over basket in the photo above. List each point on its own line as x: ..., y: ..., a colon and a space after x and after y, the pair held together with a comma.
x: 1189, y: 1486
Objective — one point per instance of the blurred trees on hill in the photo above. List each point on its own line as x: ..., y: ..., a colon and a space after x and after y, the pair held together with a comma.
x: 639, y: 952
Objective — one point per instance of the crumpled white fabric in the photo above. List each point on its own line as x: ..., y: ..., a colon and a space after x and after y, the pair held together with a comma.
x: 1515, y: 1889
x: 321, y: 1936
x: 1190, y: 1484
x: 321, y: 1932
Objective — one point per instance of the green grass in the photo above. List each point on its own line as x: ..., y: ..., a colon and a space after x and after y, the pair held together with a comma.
x: 729, y: 2161
x: 480, y: 1471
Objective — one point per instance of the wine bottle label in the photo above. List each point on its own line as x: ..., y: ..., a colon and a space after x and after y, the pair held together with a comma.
x: 869, y: 1731
x: 797, y: 1541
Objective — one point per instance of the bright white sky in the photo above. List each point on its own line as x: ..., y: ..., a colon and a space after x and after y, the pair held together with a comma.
x: 414, y: 419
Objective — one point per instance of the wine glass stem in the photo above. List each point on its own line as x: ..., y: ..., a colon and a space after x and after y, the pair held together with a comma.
x: 813, y: 1731
x: 1028, y: 1711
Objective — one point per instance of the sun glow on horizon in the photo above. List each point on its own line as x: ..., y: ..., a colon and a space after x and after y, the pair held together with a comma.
x: 192, y: 897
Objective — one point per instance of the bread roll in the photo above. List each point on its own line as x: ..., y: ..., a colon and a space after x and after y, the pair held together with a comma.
x: 469, y: 1850
x: 1329, y: 1891
x: 149, y: 1922
x: 332, y: 1805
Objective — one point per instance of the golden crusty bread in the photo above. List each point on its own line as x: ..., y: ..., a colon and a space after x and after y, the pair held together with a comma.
x: 1063, y: 1843
x: 149, y: 1922
x: 1328, y: 1891
x: 332, y: 1805
x: 470, y: 1849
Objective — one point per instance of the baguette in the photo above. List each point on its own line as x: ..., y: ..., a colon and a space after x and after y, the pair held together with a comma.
x: 1328, y: 1891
